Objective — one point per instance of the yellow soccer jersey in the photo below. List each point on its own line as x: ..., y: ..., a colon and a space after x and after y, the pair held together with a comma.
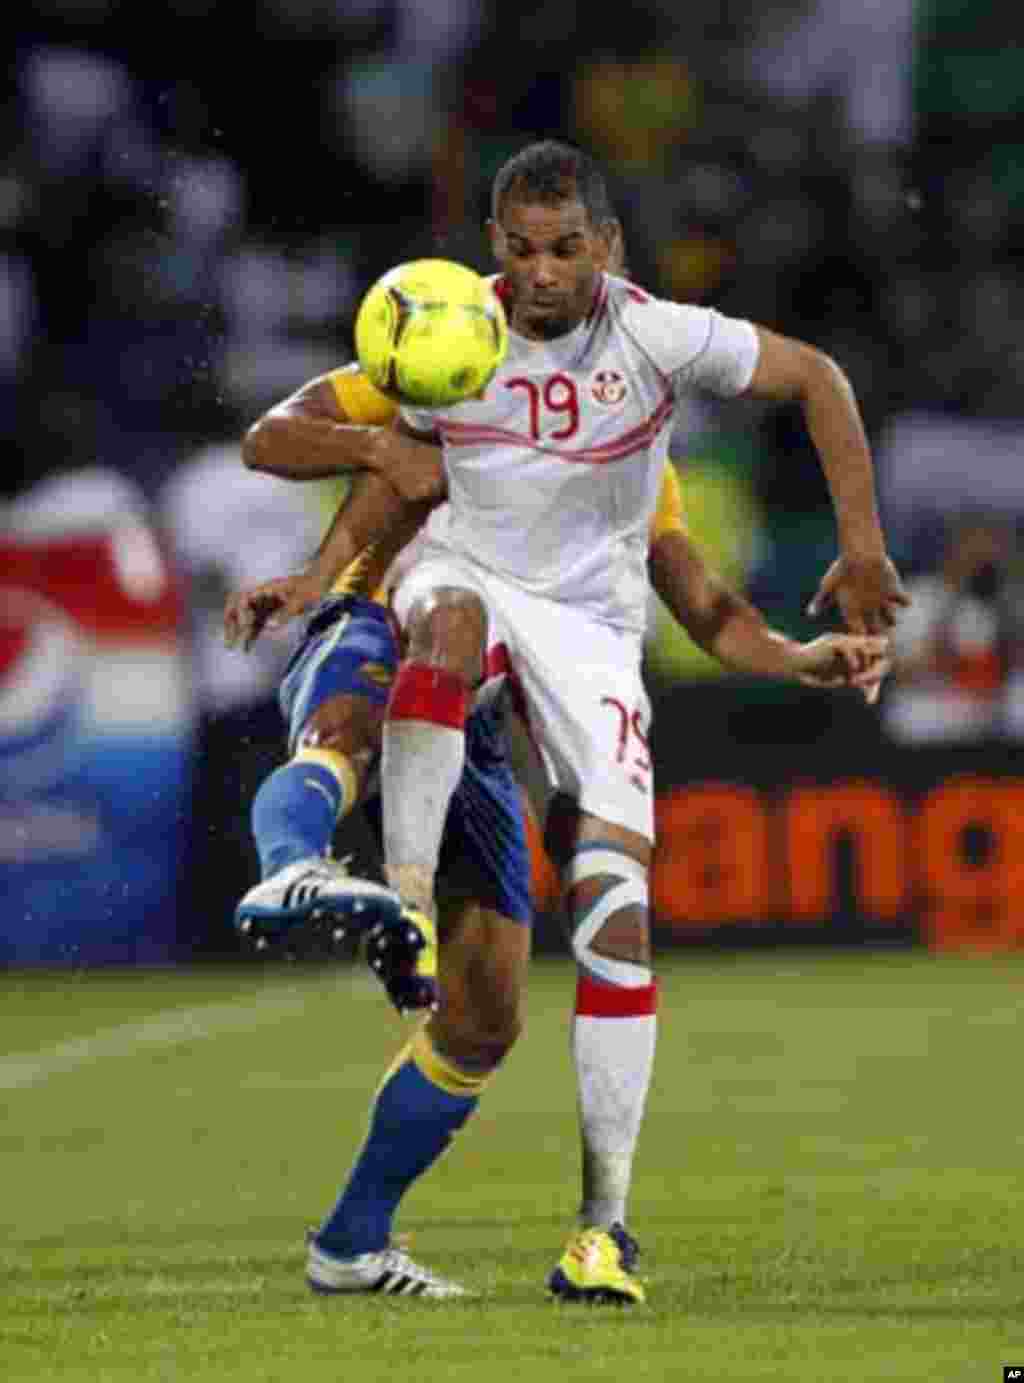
x: 366, y: 406
x: 359, y: 400
x: 668, y: 516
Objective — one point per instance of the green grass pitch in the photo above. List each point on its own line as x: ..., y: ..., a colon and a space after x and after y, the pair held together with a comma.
x: 829, y: 1184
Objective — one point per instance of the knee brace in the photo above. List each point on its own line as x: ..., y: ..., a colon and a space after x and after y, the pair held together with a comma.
x: 627, y: 887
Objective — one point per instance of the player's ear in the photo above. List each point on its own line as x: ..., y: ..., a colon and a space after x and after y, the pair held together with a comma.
x: 612, y: 231
x: 609, y: 247
x: 497, y: 239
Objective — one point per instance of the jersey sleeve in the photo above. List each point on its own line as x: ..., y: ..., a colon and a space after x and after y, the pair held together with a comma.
x: 697, y: 347
x: 668, y: 514
x: 357, y: 398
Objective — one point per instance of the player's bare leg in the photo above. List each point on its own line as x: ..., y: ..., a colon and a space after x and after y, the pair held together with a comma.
x: 427, y: 1095
x: 484, y: 959
x: 604, y: 870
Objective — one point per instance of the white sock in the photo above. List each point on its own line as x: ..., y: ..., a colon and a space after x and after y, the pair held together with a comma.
x: 422, y: 755
x: 613, y: 1040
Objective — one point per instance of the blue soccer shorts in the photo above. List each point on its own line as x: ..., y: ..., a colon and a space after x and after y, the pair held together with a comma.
x: 350, y: 647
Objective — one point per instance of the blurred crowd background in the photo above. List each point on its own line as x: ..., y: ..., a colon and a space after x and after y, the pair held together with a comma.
x: 193, y: 199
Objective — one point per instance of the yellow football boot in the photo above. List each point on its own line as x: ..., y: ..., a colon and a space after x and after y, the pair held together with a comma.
x: 402, y: 953
x: 597, y: 1266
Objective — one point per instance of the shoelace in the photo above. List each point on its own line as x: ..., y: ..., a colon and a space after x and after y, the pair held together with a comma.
x: 629, y: 1249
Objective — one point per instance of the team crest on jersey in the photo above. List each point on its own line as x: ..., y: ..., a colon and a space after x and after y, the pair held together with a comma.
x: 608, y: 387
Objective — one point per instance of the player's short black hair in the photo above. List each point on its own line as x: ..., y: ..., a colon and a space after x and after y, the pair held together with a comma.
x: 550, y: 172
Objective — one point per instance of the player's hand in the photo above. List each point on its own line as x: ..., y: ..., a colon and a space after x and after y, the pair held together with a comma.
x: 868, y: 591
x: 270, y: 605
x: 413, y: 468
x: 844, y: 660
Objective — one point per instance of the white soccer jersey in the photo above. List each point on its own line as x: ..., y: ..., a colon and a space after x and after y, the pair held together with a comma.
x: 553, y: 476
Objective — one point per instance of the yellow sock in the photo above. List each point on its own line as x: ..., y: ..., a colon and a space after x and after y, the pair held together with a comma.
x: 341, y: 768
x: 442, y: 1072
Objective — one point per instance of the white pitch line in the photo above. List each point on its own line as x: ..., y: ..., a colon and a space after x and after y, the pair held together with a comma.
x: 197, y: 1024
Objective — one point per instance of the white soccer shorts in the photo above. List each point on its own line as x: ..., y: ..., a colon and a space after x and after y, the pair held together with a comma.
x: 575, y: 680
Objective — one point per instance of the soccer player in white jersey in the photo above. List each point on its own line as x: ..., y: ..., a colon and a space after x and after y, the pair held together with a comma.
x: 539, y: 579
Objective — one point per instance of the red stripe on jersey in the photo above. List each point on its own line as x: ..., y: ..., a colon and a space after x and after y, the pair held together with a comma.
x: 650, y: 423
x: 429, y: 693
x: 595, y: 1000
x: 470, y: 434
x: 600, y: 303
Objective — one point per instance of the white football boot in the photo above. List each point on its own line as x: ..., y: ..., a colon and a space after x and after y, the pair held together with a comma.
x: 390, y: 1272
x: 316, y: 890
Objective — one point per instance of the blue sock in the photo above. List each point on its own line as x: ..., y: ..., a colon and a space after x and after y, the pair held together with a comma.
x: 294, y: 814
x: 412, y: 1123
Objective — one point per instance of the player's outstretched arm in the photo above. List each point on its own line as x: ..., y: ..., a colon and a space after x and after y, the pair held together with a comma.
x: 733, y: 631
x: 863, y: 582
x: 334, y: 425
x: 372, y: 510
x: 311, y: 435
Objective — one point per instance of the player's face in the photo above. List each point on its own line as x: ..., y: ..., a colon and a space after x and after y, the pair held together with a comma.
x: 552, y: 257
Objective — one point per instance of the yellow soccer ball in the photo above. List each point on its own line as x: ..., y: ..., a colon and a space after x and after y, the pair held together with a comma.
x: 430, y: 333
